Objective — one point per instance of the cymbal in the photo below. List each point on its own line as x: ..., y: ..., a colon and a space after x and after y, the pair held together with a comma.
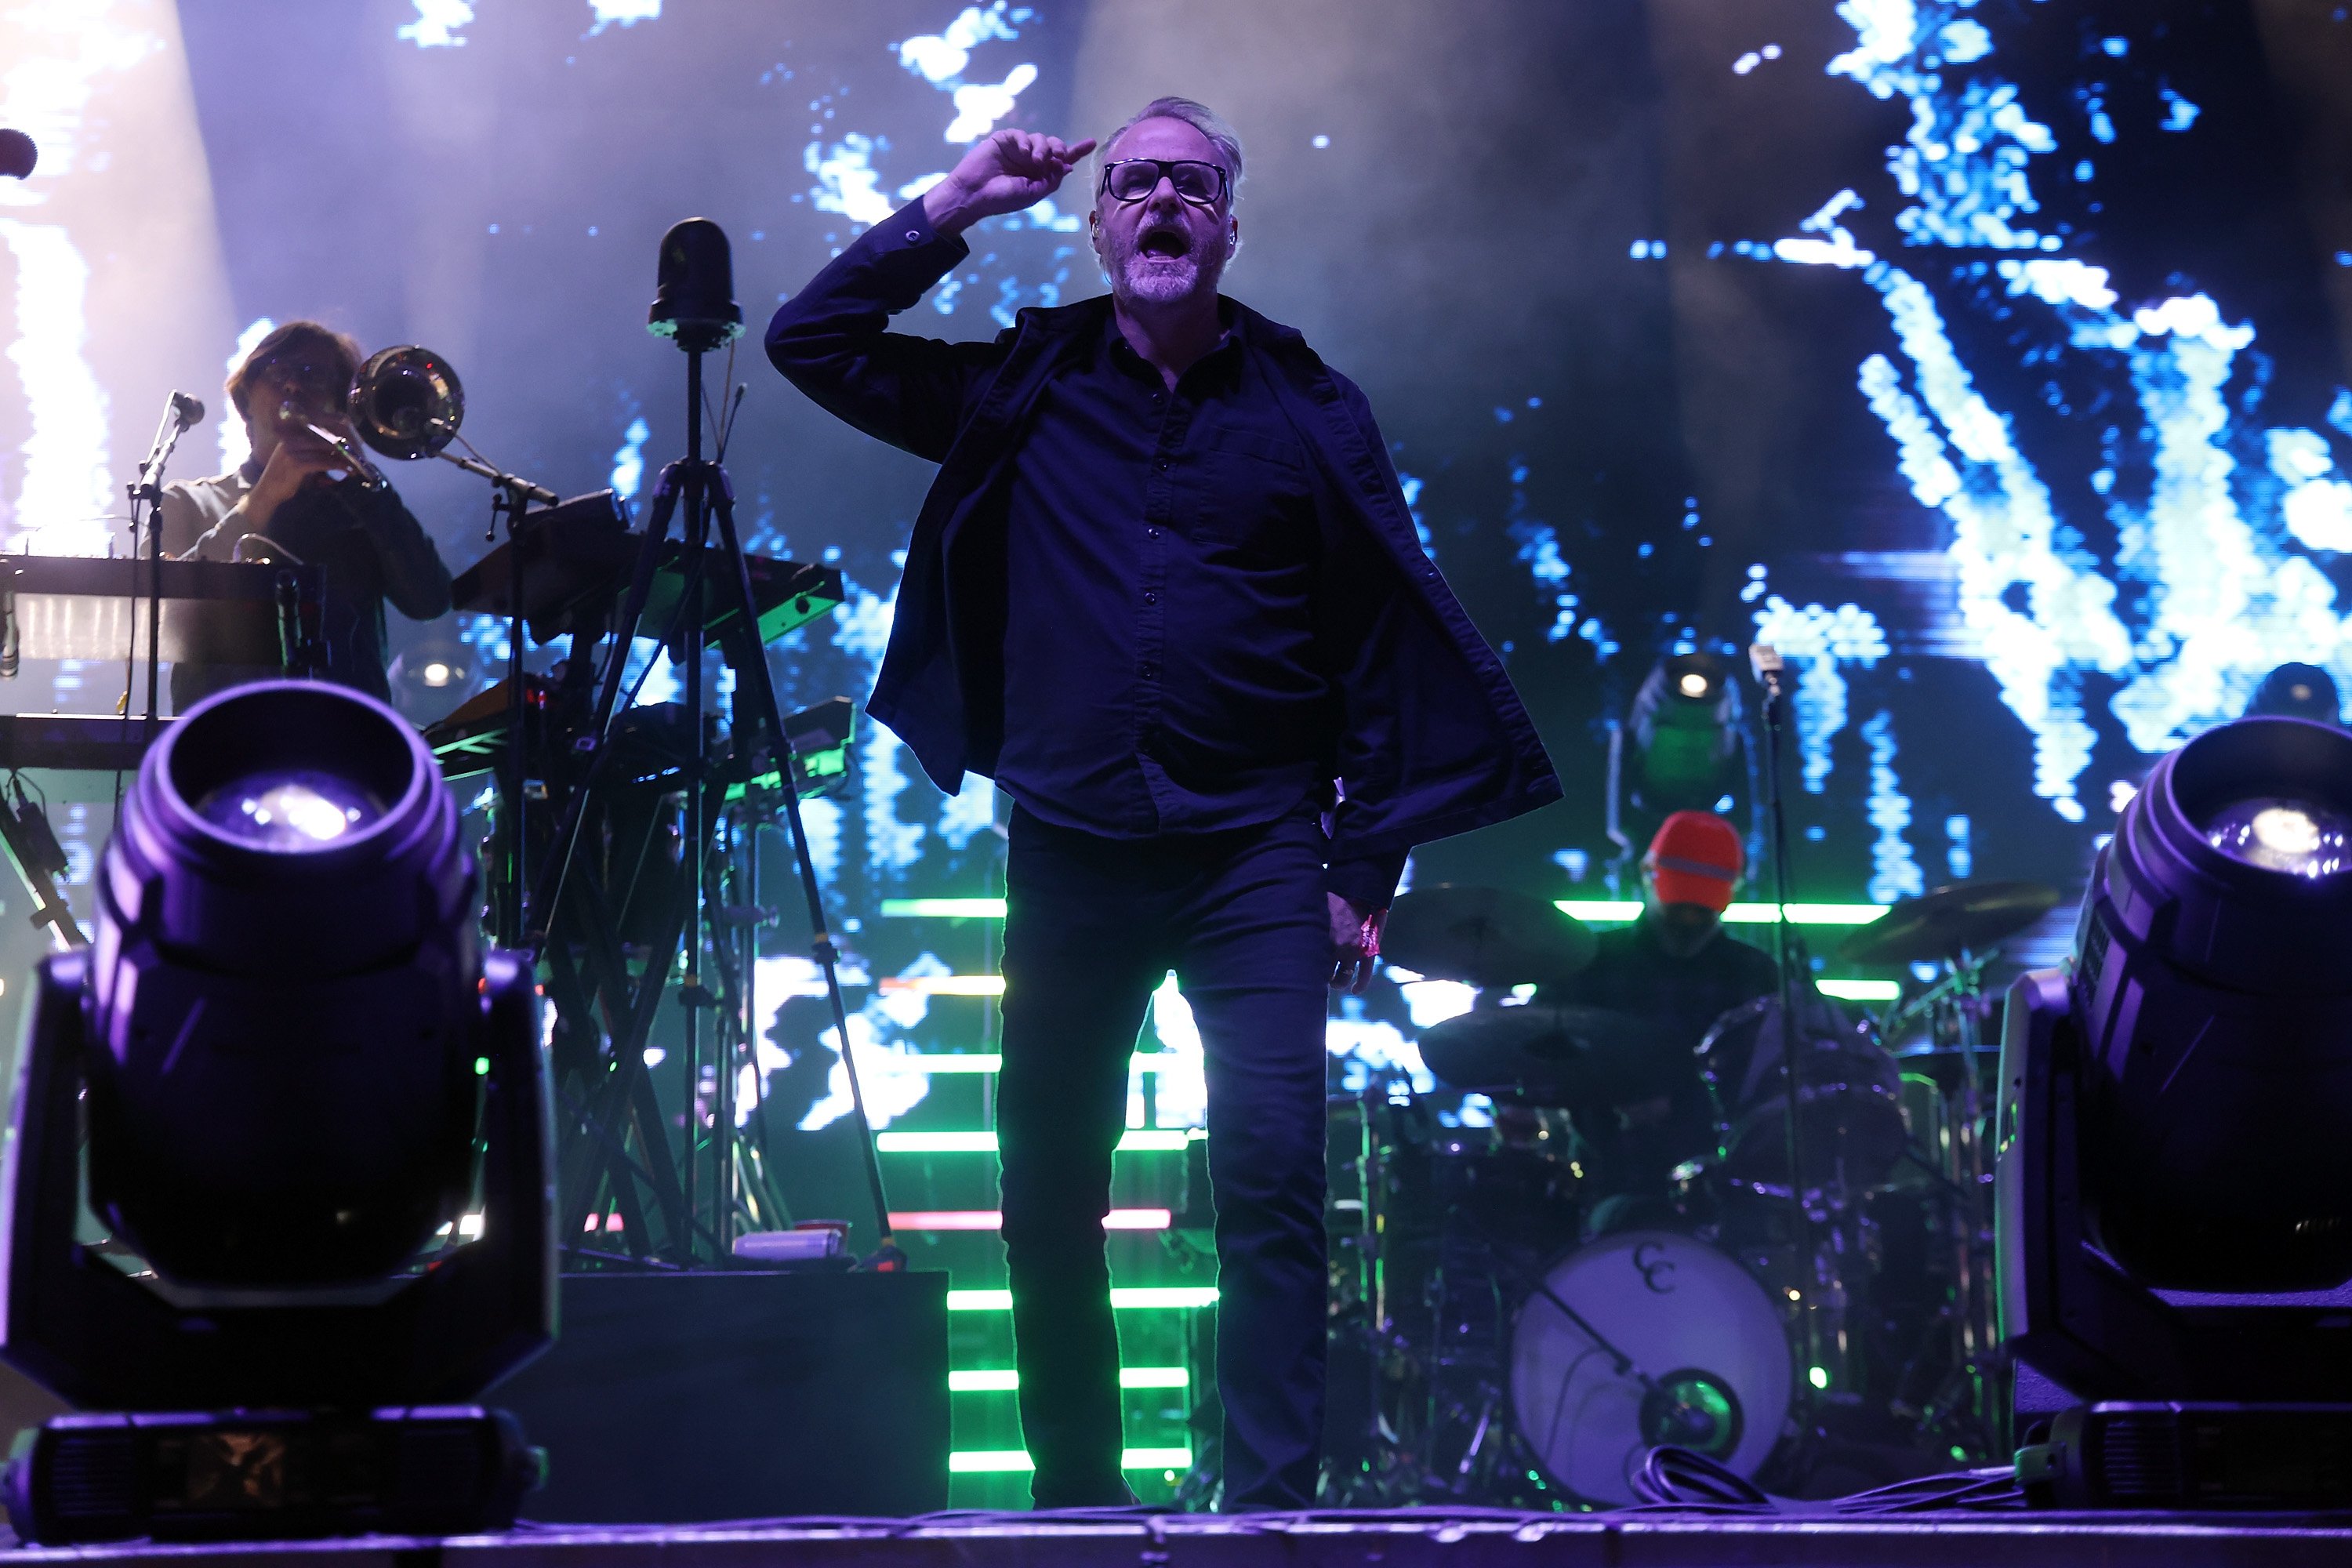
x: 1942, y: 924
x: 1551, y: 1050
x: 1484, y: 936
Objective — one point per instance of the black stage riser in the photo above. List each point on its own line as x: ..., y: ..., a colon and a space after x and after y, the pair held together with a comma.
x: 734, y: 1395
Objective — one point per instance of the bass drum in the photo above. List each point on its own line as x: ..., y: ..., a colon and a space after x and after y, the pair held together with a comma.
x: 1690, y: 1318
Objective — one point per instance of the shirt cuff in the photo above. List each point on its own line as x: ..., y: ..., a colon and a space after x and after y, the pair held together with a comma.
x: 1367, y: 882
x: 910, y: 228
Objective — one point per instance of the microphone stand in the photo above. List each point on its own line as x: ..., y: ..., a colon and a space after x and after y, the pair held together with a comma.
x: 179, y: 413
x: 1771, y: 672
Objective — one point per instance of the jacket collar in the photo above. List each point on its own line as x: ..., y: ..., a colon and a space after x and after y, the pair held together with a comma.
x: 1094, y: 315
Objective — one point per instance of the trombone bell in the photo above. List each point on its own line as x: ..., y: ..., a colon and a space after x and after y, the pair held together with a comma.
x: 406, y: 403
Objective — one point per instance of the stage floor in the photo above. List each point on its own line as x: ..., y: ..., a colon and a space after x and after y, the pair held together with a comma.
x: 1397, y: 1539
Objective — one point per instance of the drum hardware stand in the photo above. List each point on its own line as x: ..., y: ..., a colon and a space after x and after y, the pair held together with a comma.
x: 709, y: 497
x: 1978, y: 1363
x: 1771, y: 672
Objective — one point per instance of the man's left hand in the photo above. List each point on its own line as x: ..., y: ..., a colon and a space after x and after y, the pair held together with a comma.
x: 1355, y: 943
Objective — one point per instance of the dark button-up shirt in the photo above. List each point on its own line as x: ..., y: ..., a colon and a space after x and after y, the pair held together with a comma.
x: 369, y: 546
x: 1662, y: 1103
x: 1631, y: 972
x: 1162, y: 552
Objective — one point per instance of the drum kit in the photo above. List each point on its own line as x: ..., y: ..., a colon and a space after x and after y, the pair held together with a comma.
x: 1507, y: 1329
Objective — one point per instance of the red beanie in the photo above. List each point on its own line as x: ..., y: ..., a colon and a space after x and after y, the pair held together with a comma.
x: 1694, y: 859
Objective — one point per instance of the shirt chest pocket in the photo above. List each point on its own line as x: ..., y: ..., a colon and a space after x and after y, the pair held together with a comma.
x: 1254, y: 497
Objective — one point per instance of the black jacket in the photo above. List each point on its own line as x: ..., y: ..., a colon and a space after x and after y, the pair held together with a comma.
x: 1434, y: 741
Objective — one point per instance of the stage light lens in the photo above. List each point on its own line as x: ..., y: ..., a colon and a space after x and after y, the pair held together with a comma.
x: 289, y: 812
x: 1691, y: 684
x: 437, y: 673
x: 2278, y: 834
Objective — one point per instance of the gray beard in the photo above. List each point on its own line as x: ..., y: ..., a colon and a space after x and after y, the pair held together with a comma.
x: 1160, y: 286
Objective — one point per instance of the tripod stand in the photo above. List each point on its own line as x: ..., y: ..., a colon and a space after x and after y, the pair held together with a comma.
x: 695, y: 493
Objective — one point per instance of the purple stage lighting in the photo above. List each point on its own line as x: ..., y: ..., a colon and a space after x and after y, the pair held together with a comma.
x: 2216, y: 1011
x: 282, y: 986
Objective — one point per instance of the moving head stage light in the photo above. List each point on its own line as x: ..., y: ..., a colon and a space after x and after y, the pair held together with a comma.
x: 1686, y: 723
x: 298, y: 1074
x: 2175, y: 1195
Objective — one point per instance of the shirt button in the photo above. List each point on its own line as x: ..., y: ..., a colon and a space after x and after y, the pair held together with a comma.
x: 1150, y: 598
x: 914, y: 235
x: 1150, y: 672
x: 1163, y: 465
x: 1150, y: 533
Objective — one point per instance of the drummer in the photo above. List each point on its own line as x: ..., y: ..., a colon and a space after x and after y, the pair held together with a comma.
x: 1676, y: 964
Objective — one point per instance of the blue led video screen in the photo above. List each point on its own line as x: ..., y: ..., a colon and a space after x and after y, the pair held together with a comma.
x: 1985, y: 356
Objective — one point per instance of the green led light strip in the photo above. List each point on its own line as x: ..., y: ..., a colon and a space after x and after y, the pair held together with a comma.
x: 1860, y: 990
x: 1005, y: 1461
x: 1602, y: 911
x: 1132, y: 1297
x: 1597, y: 910
x: 943, y: 909
x: 1005, y: 1379
x: 1137, y: 1141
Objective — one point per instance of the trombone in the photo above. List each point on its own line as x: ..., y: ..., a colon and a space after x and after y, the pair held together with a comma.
x: 406, y: 403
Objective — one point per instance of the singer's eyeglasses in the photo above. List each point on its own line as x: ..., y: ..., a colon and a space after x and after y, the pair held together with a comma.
x: 1133, y: 179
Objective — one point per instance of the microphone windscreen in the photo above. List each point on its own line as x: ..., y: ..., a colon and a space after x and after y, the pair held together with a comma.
x: 18, y: 154
x: 694, y: 295
x: 188, y: 411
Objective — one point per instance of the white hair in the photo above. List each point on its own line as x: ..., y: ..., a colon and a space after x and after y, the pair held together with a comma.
x: 1201, y: 118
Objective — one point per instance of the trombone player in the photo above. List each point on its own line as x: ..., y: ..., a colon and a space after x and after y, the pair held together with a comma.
x: 284, y: 502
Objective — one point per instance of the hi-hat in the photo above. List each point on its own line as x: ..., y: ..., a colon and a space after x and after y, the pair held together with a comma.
x: 1484, y: 936
x: 1966, y: 917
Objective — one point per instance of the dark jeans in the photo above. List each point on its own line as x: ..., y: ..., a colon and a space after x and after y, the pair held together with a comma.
x: 1093, y: 926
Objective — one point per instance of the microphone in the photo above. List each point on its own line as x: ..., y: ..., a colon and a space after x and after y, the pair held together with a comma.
x: 188, y: 411
x: 18, y: 154
x: 694, y: 296
x: 1764, y: 660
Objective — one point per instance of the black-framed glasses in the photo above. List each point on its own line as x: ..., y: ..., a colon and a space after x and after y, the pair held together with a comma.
x: 1132, y: 179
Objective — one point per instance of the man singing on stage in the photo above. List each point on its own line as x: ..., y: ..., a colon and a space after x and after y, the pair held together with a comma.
x: 1166, y: 592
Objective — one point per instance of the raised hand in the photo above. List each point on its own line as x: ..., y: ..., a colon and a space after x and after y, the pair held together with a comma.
x: 1003, y: 173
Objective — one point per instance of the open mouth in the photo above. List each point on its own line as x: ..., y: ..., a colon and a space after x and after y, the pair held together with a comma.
x: 1165, y: 243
